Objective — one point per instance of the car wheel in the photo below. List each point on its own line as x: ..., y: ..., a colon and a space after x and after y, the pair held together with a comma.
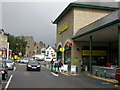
x: 39, y: 69
x: 119, y: 81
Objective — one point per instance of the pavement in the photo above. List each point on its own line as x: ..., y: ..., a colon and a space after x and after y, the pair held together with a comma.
x: 87, y: 74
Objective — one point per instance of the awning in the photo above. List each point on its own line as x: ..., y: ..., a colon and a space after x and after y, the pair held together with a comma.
x: 108, y: 23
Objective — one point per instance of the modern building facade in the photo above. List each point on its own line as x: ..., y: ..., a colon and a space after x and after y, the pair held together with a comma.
x: 88, y: 34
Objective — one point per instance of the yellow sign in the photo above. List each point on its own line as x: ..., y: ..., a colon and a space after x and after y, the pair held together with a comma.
x: 62, y: 49
x: 15, y: 57
x: 0, y: 52
x: 76, y: 60
x: 65, y: 27
x: 94, y: 52
x: 0, y: 58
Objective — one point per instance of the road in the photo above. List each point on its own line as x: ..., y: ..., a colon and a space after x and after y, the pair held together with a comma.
x: 44, y: 79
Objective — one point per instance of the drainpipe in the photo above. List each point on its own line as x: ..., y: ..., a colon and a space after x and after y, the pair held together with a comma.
x: 90, y: 54
x: 118, y: 46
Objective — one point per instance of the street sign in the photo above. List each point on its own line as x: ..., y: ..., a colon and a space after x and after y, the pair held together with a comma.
x: 20, y: 54
x: 0, y: 52
x: 62, y: 49
x: 73, y: 68
x: 0, y: 58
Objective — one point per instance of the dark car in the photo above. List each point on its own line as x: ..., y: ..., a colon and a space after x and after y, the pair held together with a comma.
x: 33, y: 65
x: 3, y: 69
x: 117, y: 74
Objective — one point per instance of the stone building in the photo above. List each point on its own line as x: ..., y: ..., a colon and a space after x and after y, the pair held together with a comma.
x: 30, y: 46
x: 33, y: 48
x: 4, y: 44
x: 38, y: 47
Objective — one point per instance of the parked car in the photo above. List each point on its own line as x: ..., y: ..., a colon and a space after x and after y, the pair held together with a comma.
x: 35, y: 58
x: 18, y: 60
x: 24, y: 60
x: 3, y: 69
x: 33, y: 65
x: 117, y: 74
x: 10, y: 63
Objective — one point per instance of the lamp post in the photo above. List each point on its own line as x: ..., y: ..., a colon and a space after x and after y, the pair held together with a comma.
x: 7, y: 50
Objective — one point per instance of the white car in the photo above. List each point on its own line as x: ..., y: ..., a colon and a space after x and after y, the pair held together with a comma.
x: 24, y: 60
x: 10, y: 64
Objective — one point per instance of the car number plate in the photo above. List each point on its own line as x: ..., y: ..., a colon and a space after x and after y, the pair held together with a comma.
x: 33, y: 67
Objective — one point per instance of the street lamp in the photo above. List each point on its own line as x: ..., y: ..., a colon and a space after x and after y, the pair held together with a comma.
x: 7, y: 50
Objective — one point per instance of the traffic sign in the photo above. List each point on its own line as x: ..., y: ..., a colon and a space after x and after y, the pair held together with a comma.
x: 62, y: 49
x: 20, y: 54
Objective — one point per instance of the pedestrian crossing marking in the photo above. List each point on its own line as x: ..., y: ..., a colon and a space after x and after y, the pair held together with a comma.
x: 26, y: 73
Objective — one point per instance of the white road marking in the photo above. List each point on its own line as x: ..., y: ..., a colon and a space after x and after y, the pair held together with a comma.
x: 8, y: 82
x: 26, y: 73
x: 55, y: 74
x: 14, y: 68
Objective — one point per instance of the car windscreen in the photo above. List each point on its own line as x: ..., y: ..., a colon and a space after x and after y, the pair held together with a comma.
x: 0, y: 64
x: 9, y: 61
x: 33, y: 62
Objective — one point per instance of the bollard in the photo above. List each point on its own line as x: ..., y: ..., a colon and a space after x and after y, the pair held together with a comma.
x: 96, y: 72
x: 45, y: 65
x: 81, y: 70
x: 104, y: 73
x: 49, y: 65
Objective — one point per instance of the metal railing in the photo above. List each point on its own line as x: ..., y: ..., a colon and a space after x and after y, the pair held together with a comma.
x: 106, y: 72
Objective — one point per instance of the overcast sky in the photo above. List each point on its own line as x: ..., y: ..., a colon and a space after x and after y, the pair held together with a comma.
x: 32, y: 18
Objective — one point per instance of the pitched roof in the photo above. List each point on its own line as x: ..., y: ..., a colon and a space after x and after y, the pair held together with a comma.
x: 97, y: 5
x: 103, y: 4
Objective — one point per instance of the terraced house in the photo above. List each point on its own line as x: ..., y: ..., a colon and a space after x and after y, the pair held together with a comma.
x: 88, y: 35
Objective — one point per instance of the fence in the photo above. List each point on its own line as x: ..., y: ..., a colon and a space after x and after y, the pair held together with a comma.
x: 106, y: 72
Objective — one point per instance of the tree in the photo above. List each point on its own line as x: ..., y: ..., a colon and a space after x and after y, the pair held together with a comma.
x: 17, y: 44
